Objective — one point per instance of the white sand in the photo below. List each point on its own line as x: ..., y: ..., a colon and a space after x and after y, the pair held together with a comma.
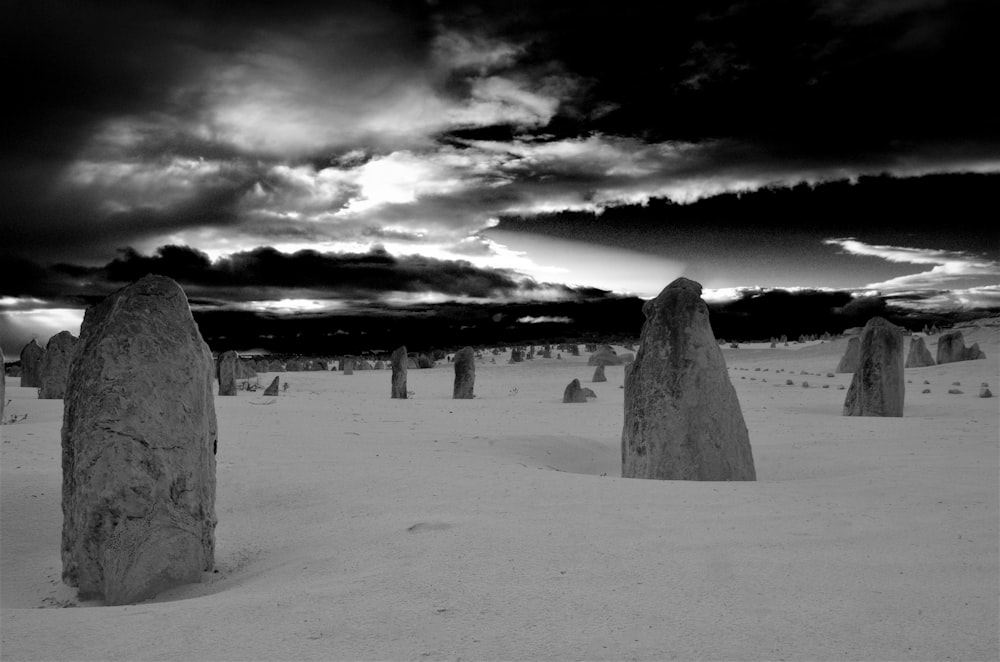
x: 352, y: 526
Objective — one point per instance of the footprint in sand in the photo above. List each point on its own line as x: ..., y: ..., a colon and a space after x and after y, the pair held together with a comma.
x: 428, y: 526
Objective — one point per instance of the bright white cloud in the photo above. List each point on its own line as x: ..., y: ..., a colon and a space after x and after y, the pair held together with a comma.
x: 949, y: 267
x: 541, y: 319
x: 987, y: 296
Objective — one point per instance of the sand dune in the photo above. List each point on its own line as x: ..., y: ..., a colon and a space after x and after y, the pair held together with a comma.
x: 352, y: 526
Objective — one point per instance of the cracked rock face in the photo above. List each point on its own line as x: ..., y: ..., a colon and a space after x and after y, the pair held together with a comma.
x: 138, y: 448
x: 682, y: 418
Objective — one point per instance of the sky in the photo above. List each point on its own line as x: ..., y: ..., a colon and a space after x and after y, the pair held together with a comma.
x: 295, y: 160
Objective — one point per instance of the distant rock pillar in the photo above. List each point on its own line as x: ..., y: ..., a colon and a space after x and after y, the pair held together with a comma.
x: 951, y: 348
x: 599, y: 374
x: 682, y: 416
x: 852, y: 355
x: 227, y: 373
x: 31, y: 365
x: 399, y: 360
x: 3, y: 385
x: 574, y: 393
x: 878, y: 386
x: 919, y: 356
x: 465, y: 374
x: 138, y: 447
x: 55, y: 366
x: 274, y: 386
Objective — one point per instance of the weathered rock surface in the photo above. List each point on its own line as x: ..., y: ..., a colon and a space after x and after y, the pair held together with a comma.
x: 54, y: 370
x: 516, y: 355
x: 138, y: 447
x: 918, y: 356
x: 400, y: 364
x: 852, y: 355
x: 599, y: 374
x: 574, y: 392
x: 3, y: 386
x: 31, y: 365
x: 682, y: 417
x: 951, y: 348
x: 604, y: 356
x: 878, y: 386
x: 273, y: 387
x: 227, y: 372
x: 347, y: 365
x: 465, y: 374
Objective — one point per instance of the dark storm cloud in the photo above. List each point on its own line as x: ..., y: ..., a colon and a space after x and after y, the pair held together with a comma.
x: 266, y: 274
x: 352, y: 123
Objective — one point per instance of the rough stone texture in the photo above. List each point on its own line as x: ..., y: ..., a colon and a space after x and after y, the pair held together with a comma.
x: 55, y: 366
x: 465, y: 374
x: 919, y: 356
x: 682, y: 416
x: 227, y: 373
x: 599, y: 374
x: 852, y: 356
x: 951, y: 348
x: 138, y: 447
x: 347, y: 365
x: 574, y: 392
x: 985, y: 392
x: 272, y: 389
x: 31, y: 365
x: 879, y: 385
x: 516, y: 355
x: 3, y: 386
x: 588, y: 393
x: 604, y: 355
x: 400, y: 364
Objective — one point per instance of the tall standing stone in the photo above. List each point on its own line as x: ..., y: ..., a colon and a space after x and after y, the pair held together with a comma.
x: 878, y: 386
x: 55, y: 365
x: 599, y: 374
x: 138, y: 447
x: 227, y: 373
x: 31, y: 365
x: 682, y: 417
x: 919, y: 356
x: 399, y: 361
x: 852, y: 356
x: 465, y: 374
x: 951, y: 348
x: 273, y: 387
